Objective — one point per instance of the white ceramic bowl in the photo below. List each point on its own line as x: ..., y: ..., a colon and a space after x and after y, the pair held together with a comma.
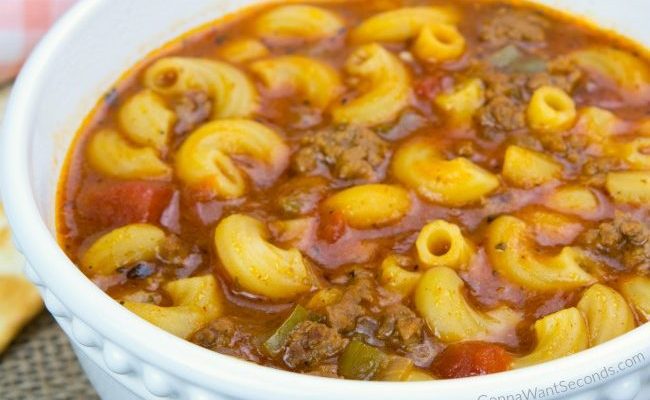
x: 126, y: 357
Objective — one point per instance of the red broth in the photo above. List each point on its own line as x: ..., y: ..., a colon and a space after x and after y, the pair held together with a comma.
x: 514, y: 49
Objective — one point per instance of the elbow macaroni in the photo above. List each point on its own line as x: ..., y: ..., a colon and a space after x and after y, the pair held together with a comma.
x: 438, y: 43
x: 318, y: 82
x: 527, y: 168
x: 324, y: 297
x: 440, y: 301
x: 598, y: 124
x: 112, y: 155
x: 257, y: 265
x: 370, y: 206
x: 463, y: 101
x: 550, y: 110
x: 634, y: 152
x: 510, y: 250
x: 243, y: 50
x: 298, y: 22
x: 396, y: 278
x: 389, y: 86
x: 122, y: 247
x: 146, y: 120
x: 402, y: 24
x: 418, y: 375
x: 441, y: 244
x: 204, y: 161
x: 637, y: 292
x: 196, y: 301
x: 577, y: 200
x: 627, y: 71
x: 458, y: 182
x: 551, y: 226
x: 558, y: 335
x: 232, y: 92
x: 606, y: 312
x: 629, y: 187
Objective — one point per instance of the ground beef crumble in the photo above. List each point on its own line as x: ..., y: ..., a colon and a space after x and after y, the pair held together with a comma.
x: 501, y: 115
x: 311, y: 343
x: 300, y: 195
x: 225, y: 335
x: 507, y: 96
x: 507, y: 25
x: 349, y: 152
x: 595, y: 170
x: 401, y: 325
x: 571, y: 147
x: 325, y: 370
x: 343, y: 315
x: 623, y: 238
x: 561, y: 73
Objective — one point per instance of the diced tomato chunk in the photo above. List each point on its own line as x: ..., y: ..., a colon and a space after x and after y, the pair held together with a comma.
x: 120, y: 203
x: 428, y: 87
x: 332, y: 226
x: 469, y: 359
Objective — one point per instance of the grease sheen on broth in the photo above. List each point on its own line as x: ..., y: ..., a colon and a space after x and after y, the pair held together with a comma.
x: 391, y: 190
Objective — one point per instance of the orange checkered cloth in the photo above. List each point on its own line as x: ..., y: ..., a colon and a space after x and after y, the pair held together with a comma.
x: 22, y: 23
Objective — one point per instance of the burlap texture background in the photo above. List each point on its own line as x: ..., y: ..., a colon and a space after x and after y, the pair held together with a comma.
x: 40, y: 363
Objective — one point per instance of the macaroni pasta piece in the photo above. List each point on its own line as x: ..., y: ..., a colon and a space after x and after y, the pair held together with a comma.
x: 388, y: 83
x: 257, y: 265
x: 323, y: 298
x: 146, y: 120
x: 458, y: 182
x: 634, y: 152
x: 631, y: 187
x: 441, y: 244
x: 550, y: 110
x: 558, y: 335
x: 122, y: 247
x: 438, y: 43
x: 527, y: 168
x: 598, y: 124
x: 625, y: 70
x: 401, y: 24
x: 370, y: 206
x: 439, y: 299
x: 549, y: 225
x: 112, y: 155
x: 606, y: 312
x: 396, y: 278
x: 243, y: 50
x: 318, y: 82
x: 205, y: 162
x: 196, y: 301
x: 578, y: 200
x: 637, y: 292
x: 510, y: 249
x: 374, y: 191
x: 298, y: 22
x: 463, y: 101
x: 232, y: 92
x: 602, y: 128
x: 418, y: 375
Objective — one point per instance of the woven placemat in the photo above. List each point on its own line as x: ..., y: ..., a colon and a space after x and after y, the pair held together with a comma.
x: 40, y: 363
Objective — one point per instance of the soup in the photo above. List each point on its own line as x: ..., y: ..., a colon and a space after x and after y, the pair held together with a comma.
x: 389, y: 190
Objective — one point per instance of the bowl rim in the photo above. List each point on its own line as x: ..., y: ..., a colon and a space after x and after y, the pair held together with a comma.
x: 181, y: 359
